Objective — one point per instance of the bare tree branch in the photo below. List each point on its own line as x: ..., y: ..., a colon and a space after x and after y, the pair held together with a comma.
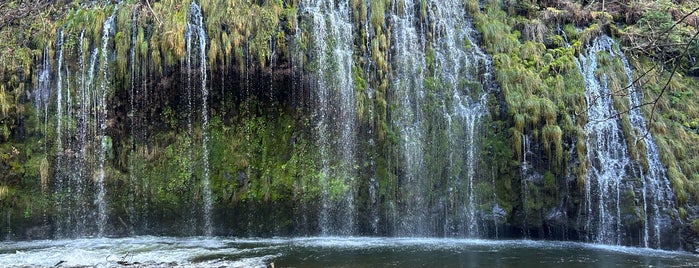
x: 674, y: 71
x: 12, y: 14
x: 673, y: 61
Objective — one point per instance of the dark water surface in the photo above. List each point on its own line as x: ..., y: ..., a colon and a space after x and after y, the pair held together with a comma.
x: 150, y: 251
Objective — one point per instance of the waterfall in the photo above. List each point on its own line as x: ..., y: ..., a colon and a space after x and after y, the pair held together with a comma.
x: 41, y: 94
x: 60, y: 186
x: 82, y: 142
x: 335, y: 115
x: 409, y: 67
x: 442, y: 99
x: 132, y: 121
x: 611, y: 166
x: 463, y: 68
x: 440, y: 79
x: 85, y: 133
x: 196, y: 31
x: 525, y: 166
x: 102, y: 112
x: 658, y: 198
x: 59, y: 99
x: 606, y: 151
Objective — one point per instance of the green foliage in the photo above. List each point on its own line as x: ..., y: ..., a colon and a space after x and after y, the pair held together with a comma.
x: 672, y: 138
x: 657, y: 34
x: 266, y: 156
x: 247, y: 29
x: 539, y: 83
x: 274, y: 163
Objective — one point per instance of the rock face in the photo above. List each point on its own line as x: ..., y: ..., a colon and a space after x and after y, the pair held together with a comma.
x: 319, y: 117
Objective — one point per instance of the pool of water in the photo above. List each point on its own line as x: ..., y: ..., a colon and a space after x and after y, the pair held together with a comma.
x: 150, y: 251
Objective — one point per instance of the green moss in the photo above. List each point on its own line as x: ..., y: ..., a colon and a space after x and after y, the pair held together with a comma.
x: 360, y: 87
x: 695, y: 226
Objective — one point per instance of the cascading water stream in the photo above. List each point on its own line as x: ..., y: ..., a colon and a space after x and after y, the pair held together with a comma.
x: 409, y: 66
x: 609, y: 157
x: 464, y: 70
x: 133, y: 217
x: 102, y: 112
x: 524, y: 169
x: 61, y: 187
x: 443, y: 99
x: 41, y: 94
x: 196, y: 31
x: 85, y: 133
x: 436, y: 103
x: 658, y: 198
x: 606, y: 151
x: 59, y: 100
x: 81, y: 151
x: 39, y: 105
x: 332, y: 45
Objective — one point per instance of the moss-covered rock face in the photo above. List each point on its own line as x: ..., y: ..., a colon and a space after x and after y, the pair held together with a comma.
x: 120, y: 98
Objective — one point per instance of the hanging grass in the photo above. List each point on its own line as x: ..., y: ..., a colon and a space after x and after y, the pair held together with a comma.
x: 517, y: 144
x: 548, y: 111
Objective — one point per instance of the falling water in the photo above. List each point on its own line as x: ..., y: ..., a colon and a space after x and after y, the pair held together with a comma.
x: 74, y: 163
x: 69, y: 210
x: 59, y: 99
x: 657, y: 194
x: 409, y: 66
x: 524, y: 169
x: 195, y: 30
x: 332, y: 45
x: 85, y: 130
x: 606, y: 150
x: 132, y: 121
x: 463, y: 68
x: 610, y: 161
x: 105, y: 143
x: 41, y: 94
x: 453, y: 110
x: 59, y: 174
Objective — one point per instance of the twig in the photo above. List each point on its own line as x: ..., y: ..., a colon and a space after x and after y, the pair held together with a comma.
x: 672, y: 60
x: 153, y: 12
x: 674, y: 71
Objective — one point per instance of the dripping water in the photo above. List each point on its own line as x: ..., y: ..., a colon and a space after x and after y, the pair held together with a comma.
x: 524, y: 169
x: 610, y: 161
x: 409, y: 66
x: 133, y: 214
x: 59, y: 100
x: 62, y: 190
x: 332, y: 45
x: 658, y: 204
x: 606, y: 150
x: 196, y: 31
x: 102, y: 112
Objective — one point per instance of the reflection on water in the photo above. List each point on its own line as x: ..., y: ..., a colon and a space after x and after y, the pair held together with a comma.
x: 151, y: 251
